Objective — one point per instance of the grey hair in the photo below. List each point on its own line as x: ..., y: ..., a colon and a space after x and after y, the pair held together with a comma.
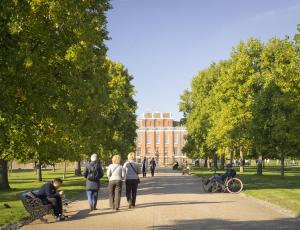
x: 94, y: 157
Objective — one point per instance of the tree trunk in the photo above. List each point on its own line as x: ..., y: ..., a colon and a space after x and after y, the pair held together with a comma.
x: 65, y: 170
x: 205, y: 162
x: 282, y: 164
x: 35, y: 168
x: 11, y: 167
x: 215, y: 160
x: 241, y: 159
x: 4, y: 175
x: 231, y: 155
x: 53, y: 167
x: 259, y: 166
x: 39, y: 171
x: 208, y: 163
x: 78, y: 169
x: 222, y: 166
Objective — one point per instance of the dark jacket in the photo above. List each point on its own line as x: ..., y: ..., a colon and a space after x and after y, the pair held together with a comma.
x: 92, y: 185
x: 47, y: 191
x: 152, y: 164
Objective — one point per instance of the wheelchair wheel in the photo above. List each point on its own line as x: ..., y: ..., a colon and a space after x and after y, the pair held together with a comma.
x: 234, y: 185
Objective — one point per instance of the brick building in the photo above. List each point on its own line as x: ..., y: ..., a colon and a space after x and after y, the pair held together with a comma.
x: 159, y: 136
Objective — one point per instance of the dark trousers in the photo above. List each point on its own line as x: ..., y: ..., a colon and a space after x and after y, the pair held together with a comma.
x: 152, y: 170
x: 92, y: 196
x: 131, y: 191
x: 144, y: 171
x: 114, y: 193
x: 56, y: 205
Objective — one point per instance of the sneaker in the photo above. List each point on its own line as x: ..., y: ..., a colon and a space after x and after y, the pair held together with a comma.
x: 129, y: 206
x: 60, y: 218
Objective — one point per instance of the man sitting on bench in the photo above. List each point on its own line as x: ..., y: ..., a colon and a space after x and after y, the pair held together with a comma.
x: 49, y: 195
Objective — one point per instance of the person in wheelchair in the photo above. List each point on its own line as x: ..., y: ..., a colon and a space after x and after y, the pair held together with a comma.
x: 230, y: 172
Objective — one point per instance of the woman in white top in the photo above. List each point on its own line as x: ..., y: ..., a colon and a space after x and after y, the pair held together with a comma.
x: 115, y: 174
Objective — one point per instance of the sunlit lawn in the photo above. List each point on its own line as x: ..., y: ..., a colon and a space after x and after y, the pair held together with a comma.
x: 284, y: 192
x: 24, y: 180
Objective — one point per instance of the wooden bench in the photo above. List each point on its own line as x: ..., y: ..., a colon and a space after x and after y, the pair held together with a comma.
x: 34, y: 206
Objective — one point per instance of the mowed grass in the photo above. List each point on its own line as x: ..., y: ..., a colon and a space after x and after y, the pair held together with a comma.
x: 270, y: 187
x: 25, y: 180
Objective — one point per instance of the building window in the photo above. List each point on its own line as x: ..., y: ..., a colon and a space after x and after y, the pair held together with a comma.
x: 165, y: 160
x: 148, y: 151
x: 176, y: 152
x: 175, y: 138
x: 139, y: 138
x: 148, y: 140
x: 166, y: 152
x: 156, y: 150
x: 157, y: 138
x: 166, y: 138
x: 138, y: 151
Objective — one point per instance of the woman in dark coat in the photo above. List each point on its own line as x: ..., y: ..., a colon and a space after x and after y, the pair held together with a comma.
x: 93, y: 172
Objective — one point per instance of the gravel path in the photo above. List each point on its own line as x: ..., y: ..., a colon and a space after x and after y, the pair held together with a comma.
x: 172, y: 201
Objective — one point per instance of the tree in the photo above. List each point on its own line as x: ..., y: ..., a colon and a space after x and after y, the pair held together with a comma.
x: 49, y: 49
x: 248, y: 104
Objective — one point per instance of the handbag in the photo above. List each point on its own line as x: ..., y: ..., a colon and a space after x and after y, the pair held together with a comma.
x: 138, y: 180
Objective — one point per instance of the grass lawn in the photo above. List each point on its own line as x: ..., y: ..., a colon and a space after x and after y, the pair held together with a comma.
x: 270, y: 187
x: 24, y: 180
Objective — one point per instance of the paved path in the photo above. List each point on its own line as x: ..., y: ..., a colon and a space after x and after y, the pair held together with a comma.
x: 172, y: 201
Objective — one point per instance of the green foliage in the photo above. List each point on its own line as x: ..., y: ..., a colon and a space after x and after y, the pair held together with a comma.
x: 60, y: 97
x: 248, y: 103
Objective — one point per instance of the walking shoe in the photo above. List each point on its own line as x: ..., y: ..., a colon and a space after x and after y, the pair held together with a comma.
x: 60, y: 218
x: 129, y: 206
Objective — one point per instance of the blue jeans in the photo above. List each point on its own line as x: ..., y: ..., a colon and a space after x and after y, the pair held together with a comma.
x: 92, y: 196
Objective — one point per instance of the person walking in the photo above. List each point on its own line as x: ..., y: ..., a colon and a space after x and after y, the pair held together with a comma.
x: 132, y: 170
x: 115, y: 174
x: 152, y: 166
x: 93, y: 172
x: 144, y: 166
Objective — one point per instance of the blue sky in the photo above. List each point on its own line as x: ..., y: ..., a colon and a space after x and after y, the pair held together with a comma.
x: 164, y: 43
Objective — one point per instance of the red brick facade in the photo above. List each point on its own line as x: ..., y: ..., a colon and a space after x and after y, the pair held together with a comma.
x: 159, y: 136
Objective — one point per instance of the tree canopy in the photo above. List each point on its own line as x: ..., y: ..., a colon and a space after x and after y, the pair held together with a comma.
x: 247, y: 104
x: 61, y: 98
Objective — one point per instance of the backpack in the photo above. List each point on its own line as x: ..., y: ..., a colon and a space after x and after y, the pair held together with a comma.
x: 94, y: 173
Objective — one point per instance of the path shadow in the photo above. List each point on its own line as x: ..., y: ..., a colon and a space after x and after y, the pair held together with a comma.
x: 176, y: 203
x: 217, y: 224
x: 82, y: 214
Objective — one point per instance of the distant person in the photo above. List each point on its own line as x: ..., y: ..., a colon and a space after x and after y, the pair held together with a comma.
x: 115, y: 174
x: 93, y: 172
x: 49, y: 195
x: 175, y: 165
x: 132, y: 170
x: 152, y: 166
x: 144, y: 166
